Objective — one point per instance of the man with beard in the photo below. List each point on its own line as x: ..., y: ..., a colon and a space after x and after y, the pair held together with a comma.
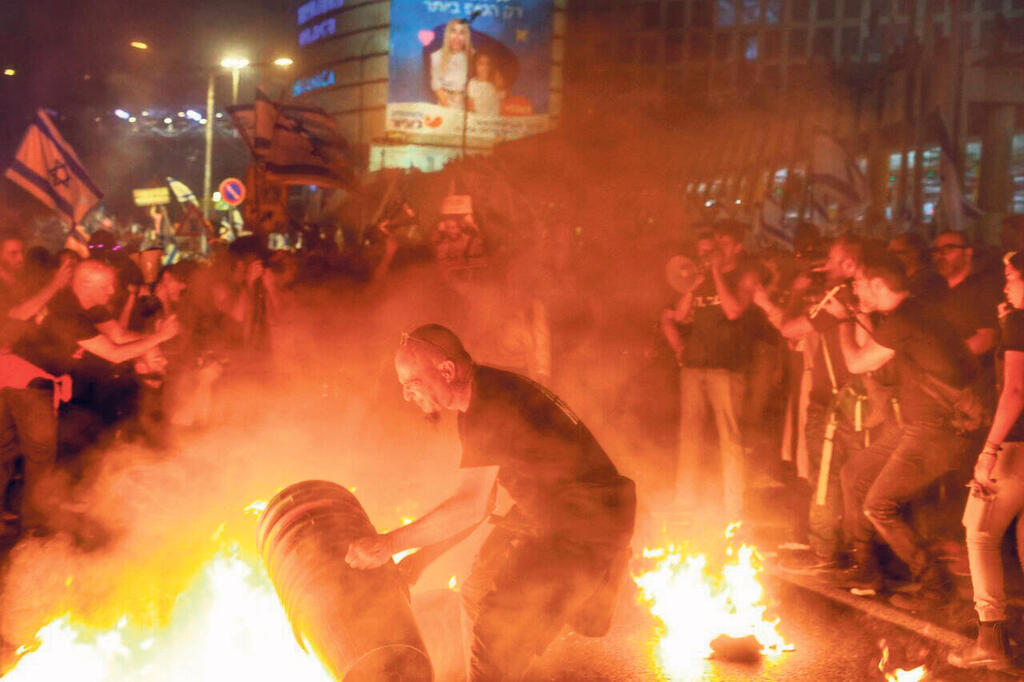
x: 899, y: 466
x: 830, y: 423
x: 559, y: 554
x: 973, y: 296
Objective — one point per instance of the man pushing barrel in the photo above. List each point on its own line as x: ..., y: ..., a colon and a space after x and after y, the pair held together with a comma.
x: 558, y: 556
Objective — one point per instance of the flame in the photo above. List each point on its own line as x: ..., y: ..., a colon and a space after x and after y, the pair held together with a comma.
x: 256, y: 507
x: 227, y: 625
x: 899, y: 674
x: 453, y: 583
x: 730, y: 602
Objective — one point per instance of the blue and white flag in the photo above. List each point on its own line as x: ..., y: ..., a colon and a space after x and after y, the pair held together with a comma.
x: 47, y: 168
x: 772, y: 223
x: 296, y: 145
x: 182, y: 193
x: 836, y: 174
x: 957, y: 211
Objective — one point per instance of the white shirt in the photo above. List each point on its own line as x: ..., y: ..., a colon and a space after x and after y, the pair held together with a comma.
x: 486, y: 98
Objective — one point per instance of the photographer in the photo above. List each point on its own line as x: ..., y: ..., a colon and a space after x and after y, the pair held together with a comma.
x: 836, y: 415
x: 898, y: 467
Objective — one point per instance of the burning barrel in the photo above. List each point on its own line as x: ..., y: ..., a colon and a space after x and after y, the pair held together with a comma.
x: 358, y: 622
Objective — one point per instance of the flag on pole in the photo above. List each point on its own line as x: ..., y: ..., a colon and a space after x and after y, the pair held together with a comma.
x: 182, y: 193
x: 297, y: 145
x: 47, y: 168
x: 771, y: 221
x: 956, y: 209
x: 834, y: 173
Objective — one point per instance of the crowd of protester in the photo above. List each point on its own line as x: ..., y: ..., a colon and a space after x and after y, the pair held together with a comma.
x: 876, y: 378
x: 902, y: 382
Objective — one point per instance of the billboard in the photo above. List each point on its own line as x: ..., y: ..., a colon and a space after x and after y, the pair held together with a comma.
x: 486, y: 62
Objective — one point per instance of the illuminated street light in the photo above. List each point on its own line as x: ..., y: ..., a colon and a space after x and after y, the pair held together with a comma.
x: 168, y: 120
x: 234, y: 62
x: 284, y: 61
x: 145, y: 113
x: 9, y: 71
x: 132, y: 119
x: 139, y: 45
x: 122, y: 114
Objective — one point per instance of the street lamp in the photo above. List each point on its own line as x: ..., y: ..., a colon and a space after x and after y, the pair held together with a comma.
x: 284, y: 62
x: 139, y: 45
x: 235, y: 64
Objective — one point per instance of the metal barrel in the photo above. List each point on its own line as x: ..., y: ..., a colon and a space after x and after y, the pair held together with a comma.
x: 358, y: 622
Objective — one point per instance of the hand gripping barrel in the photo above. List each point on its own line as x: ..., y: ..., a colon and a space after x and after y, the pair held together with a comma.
x: 358, y: 622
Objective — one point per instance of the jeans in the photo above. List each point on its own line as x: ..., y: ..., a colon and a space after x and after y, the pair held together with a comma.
x: 825, y: 521
x: 722, y: 390
x: 986, y: 522
x: 883, y: 478
x: 28, y: 427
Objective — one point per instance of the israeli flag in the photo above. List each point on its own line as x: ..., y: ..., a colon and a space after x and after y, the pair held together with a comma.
x: 182, y: 193
x: 47, y: 168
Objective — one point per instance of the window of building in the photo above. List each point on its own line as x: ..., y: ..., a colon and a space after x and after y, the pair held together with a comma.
x: 750, y: 11
x: 700, y: 45
x: 800, y: 10
x: 673, y: 48
x: 652, y: 15
x: 700, y: 13
x: 749, y: 45
x: 725, y: 13
x: 826, y: 9
x: 772, y: 11
x: 823, y: 40
x: 772, y: 44
x: 852, y: 9
x: 936, y: 6
x: 902, y: 7
x: 675, y: 14
x: 723, y: 46
x: 966, y: 6
x: 850, y: 42
x: 798, y: 43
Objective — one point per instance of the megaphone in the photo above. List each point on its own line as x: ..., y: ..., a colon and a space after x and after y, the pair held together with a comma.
x: 682, y: 274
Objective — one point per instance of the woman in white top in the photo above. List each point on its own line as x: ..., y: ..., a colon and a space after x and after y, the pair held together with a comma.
x: 449, y: 66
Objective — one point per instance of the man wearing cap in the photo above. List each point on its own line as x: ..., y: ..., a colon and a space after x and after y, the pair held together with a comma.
x: 558, y: 555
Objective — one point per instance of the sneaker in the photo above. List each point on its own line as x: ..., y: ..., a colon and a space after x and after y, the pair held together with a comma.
x: 858, y: 581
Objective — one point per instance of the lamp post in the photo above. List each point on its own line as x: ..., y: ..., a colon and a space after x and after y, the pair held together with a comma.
x: 235, y: 64
x: 465, y: 83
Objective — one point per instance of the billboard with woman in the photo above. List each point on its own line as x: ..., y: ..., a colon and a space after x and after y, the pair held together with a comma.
x: 488, y: 63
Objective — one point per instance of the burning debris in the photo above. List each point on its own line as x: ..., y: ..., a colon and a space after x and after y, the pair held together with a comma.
x: 899, y: 674
x: 707, y: 609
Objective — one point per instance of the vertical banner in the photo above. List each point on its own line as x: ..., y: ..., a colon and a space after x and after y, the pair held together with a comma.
x: 486, y: 62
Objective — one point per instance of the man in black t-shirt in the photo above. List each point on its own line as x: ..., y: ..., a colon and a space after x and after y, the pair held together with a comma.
x: 970, y: 304
x: 714, y: 361
x: 559, y: 554
x: 902, y: 464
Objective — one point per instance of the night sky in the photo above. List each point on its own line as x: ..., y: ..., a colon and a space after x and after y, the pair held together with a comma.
x: 73, y: 57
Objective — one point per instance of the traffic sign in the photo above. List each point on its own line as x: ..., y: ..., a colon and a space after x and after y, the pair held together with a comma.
x: 232, y: 191
x: 151, y: 196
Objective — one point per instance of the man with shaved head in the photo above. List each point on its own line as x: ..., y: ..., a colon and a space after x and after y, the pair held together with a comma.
x: 557, y: 557
x: 80, y: 339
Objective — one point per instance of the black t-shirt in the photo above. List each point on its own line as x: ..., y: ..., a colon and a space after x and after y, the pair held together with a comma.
x: 928, y: 285
x: 553, y: 468
x: 1012, y: 338
x: 715, y: 341
x: 971, y: 305
x: 925, y: 342
x: 53, y: 346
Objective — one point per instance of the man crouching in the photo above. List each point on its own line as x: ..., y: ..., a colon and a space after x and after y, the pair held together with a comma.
x: 560, y: 553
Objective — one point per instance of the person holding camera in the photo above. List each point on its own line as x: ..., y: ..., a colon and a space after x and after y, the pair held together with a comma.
x: 832, y: 429
x: 898, y: 467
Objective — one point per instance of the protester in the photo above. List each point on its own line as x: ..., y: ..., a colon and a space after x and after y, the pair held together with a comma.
x: 973, y: 295
x: 880, y: 482
x: 559, y: 554
x: 997, y: 490
x: 714, y: 359
x: 924, y: 281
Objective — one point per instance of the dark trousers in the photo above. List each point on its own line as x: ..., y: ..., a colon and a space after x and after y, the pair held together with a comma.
x: 519, y: 594
x: 893, y: 471
x: 825, y: 522
x: 28, y: 428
